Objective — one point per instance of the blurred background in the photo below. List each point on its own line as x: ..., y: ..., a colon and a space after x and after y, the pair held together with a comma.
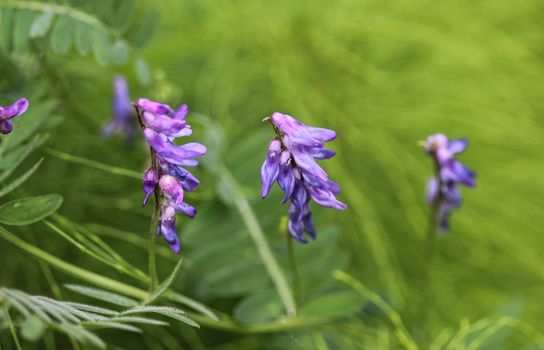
x: 384, y: 75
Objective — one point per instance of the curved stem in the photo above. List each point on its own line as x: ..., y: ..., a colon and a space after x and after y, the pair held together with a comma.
x: 400, y: 330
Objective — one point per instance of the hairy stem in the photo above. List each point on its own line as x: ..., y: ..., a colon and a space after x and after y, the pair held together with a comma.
x: 153, y: 279
x: 152, y: 258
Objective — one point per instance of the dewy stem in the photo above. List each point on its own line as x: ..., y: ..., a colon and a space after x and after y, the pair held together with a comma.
x: 152, y: 257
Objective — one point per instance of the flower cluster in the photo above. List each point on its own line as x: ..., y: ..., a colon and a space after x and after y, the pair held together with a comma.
x: 9, y: 112
x: 123, y: 122
x: 161, y: 125
x: 291, y: 161
x: 442, y: 190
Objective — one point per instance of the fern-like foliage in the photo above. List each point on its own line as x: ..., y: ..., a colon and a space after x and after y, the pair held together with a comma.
x: 108, y: 30
x: 32, y: 315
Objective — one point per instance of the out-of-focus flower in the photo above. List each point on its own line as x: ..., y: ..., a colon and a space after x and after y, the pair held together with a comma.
x: 9, y: 112
x: 161, y: 126
x: 123, y: 122
x: 442, y: 190
x: 291, y: 161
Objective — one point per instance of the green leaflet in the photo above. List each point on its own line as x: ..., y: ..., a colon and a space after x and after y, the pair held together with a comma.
x: 62, y: 35
x: 41, y: 24
x: 120, y: 52
x: 91, y: 27
x: 143, y: 72
x: 260, y: 307
x: 332, y: 305
x: 110, y: 297
x: 145, y: 30
x: 29, y: 210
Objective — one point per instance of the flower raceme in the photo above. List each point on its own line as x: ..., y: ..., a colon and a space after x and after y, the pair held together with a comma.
x: 167, y: 177
x: 291, y: 161
x: 7, y: 113
x: 122, y: 110
x: 442, y: 189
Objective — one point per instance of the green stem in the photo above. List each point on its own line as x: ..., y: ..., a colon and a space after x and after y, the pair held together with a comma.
x: 12, y: 329
x: 153, y: 279
x: 73, y: 270
x: 94, y: 164
x: 400, y: 330
x: 294, y: 268
x: 426, y: 282
x: 429, y: 252
x: 223, y: 323
x: 257, y: 234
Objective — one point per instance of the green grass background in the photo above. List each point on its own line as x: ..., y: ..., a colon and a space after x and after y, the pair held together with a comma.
x: 384, y: 75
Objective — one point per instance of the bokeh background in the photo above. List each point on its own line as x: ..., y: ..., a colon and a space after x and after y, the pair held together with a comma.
x: 384, y: 75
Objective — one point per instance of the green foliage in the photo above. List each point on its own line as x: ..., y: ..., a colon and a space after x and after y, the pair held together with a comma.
x: 29, y: 210
x: 106, y: 29
x: 75, y: 319
x: 382, y: 74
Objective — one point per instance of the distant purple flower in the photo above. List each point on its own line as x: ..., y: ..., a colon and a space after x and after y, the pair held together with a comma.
x: 442, y: 190
x: 9, y: 112
x: 161, y: 125
x: 291, y: 161
x: 123, y: 122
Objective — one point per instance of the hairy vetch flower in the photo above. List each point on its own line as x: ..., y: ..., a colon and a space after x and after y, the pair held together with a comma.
x: 9, y: 112
x: 291, y: 161
x: 161, y: 126
x: 442, y: 190
x: 123, y: 122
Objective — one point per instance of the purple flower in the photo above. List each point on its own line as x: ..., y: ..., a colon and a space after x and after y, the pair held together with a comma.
x: 167, y: 227
x: 291, y: 161
x: 151, y: 179
x: 161, y: 126
x: 9, y: 112
x: 122, y: 110
x: 442, y: 190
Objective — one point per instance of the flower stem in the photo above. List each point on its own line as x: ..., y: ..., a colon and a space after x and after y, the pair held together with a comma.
x: 153, y: 279
x: 152, y: 264
x: 429, y: 252
x: 400, y: 329
x: 294, y: 269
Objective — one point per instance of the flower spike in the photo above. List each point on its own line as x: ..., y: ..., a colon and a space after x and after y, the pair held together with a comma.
x: 161, y: 125
x: 442, y: 189
x: 291, y: 161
